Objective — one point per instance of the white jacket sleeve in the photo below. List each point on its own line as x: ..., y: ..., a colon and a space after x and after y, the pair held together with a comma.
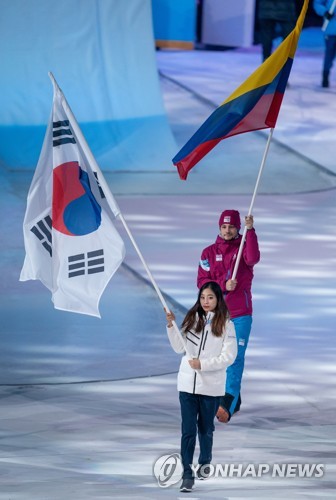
x: 175, y: 339
x: 228, y: 353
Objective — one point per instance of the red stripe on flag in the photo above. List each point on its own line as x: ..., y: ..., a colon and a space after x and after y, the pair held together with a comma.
x: 263, y: 115
x: 184, y: 166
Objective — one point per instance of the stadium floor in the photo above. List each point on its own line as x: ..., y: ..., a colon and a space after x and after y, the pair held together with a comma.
x: 89, y: 405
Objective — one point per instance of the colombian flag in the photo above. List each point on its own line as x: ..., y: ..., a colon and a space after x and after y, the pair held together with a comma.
x: 254, y: 105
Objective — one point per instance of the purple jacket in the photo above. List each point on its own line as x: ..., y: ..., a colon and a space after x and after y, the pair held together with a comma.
x: 217, y: 263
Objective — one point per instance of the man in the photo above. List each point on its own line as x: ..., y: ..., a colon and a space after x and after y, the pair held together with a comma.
x: 217, y: 264
x: 322, y: 8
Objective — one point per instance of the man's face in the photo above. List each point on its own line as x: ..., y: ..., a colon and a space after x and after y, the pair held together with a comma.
x: 228, y: 231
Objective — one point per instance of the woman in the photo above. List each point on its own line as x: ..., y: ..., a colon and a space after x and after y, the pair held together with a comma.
x: 209, y: 338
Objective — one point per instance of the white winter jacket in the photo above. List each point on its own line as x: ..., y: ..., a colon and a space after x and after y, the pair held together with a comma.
x: 214, y: 353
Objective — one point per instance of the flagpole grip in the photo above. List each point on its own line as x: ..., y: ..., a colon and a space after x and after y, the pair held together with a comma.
x: 262, y: 165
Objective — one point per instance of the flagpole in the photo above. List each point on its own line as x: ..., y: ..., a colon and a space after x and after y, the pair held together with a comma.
x: 156, y: 288
x: 262, y: 165
x: 330, y: 11
x: 107, y: 192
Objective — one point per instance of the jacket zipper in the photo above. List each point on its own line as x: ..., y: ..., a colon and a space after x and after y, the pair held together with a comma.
x: 246, y: 299
x: 199, y: 352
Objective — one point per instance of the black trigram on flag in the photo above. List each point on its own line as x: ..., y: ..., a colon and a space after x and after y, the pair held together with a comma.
x: 86, y: 263
x: 99, y: 186
x: 62, y: 133
x: 42, y: 231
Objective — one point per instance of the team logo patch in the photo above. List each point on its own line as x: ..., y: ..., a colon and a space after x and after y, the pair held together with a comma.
x: 227, y: 219
x: 219, y: 258
x: 205, y: 265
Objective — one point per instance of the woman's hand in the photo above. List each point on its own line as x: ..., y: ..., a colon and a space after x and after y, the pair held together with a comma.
x: 170, y: 316
x: 195, y: 363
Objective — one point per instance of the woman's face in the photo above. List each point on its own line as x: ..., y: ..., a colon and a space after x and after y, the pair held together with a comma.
x: 208, y: 300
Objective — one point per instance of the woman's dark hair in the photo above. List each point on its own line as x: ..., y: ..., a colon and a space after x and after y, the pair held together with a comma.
x: 221, y: 312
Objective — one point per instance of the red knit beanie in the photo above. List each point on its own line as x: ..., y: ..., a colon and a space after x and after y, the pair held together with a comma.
x: 230, y: 217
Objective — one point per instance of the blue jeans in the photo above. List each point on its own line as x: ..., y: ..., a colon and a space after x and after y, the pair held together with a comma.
x: 198, y: 413
x: 329, y: 53
x: 234, y: 374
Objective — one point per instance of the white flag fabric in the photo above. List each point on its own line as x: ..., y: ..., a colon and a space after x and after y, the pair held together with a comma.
x: 71, y: 243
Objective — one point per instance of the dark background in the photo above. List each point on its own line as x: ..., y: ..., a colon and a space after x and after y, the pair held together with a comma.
x: 311, y: 19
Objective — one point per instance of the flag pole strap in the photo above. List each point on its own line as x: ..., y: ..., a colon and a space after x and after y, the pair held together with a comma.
x: 262, y: 165
x: 330, y: 11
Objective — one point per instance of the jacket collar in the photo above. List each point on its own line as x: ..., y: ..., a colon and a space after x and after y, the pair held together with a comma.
x: 209, y: 316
